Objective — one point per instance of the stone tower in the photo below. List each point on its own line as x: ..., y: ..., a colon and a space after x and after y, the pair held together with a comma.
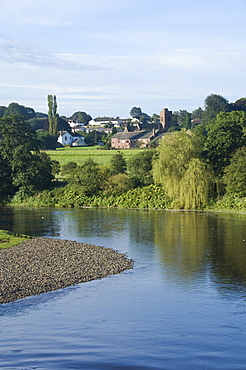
x: 166, y: 119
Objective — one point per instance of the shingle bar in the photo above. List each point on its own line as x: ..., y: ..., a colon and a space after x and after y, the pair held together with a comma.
x: 41, y: 265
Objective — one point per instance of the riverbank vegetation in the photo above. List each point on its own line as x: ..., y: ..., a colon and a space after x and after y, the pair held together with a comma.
x: 9, y: 239
x: 200, y: 167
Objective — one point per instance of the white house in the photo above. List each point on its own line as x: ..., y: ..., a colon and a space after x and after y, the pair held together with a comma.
x: 117, y: 122
x: 67, y: 138
x: 75, y: 123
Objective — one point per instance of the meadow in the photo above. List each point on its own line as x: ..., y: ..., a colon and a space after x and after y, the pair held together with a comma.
x: 80, y: 154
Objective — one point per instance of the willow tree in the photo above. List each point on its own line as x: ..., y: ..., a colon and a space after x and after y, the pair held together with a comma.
x: 196, y: 185
x: 52, y: 114
x: 179, y: 169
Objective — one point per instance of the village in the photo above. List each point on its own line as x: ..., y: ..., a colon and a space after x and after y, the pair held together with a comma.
x: 125, y: 134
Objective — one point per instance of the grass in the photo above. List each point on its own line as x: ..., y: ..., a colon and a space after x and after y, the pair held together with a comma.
x: 8, y: 239
x: 79, y: 155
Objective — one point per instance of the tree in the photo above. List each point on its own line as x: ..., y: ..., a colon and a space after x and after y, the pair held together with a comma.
x: 52, y: 114
x: 6, y: 188
x: 3, y: 110
x: 25, y: 168
x: 197, y: 113
x: 88, y: 177
x: 117, y: 164
x: 235, y: 173
x: 213, y: 105
x: 239, y: 104
x: 15, y: 132
x: 196, y: 185
x: 20, y: 110
x: 224, y: 136
x: 68, y: 167
x: 47, y: 141
x: 81, y: 117
x: 180, y: 170
x: 118, y: 184
x: 139, y: 168
x: 181, y: 119
x: 155, y: 118
x: 136, y: 112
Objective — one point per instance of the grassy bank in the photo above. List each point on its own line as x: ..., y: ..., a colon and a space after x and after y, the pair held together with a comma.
x: 8, y: 239
x: 79, y: 155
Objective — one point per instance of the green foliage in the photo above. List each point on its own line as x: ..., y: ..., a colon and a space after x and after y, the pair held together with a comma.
x: 224, y: 136
x: 179, y: 169
x: 148, y: 197
x: 81, y: 117
x: 229, y: 202
x: 181, y: 119
x: 117, y: 164
x: 92, y: 137
x: 88, y: 177
x: 23, y: 168
x: 118, y: 184
x: 235, y: 174
x: 67, y: 168
x: 55, y: 166
x: 9, y: 239
x: 239, y: 105
x: 14, y: 131
x: 3, y: 110
x: 195, y: 186
x: 197, y: 113
x: 6, y: 188
x: 47, y: 141
x: 214, y: 104
x: 155, y: 118
x: 139, y: 168
x: 174, y: 154
x: 136, y: 112
x: 17, y: 109
x: 52, y: 114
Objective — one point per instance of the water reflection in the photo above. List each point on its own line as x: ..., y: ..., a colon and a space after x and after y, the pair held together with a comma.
x: 188, y: 246
x: 191, y: 245
x: 182, y: 242
x: 182, y: 306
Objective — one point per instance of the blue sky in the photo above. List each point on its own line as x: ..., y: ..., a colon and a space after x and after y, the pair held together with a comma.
x: 106, y: 56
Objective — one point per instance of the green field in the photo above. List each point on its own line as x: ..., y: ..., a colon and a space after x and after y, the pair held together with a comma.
x: 79, y: 155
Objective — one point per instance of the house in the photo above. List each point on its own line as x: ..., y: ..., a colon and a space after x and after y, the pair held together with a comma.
x: 126, y: 140
x: 71, y: 138
x: 78, y: 142
x: 75, y: 123
x: 117, y: 122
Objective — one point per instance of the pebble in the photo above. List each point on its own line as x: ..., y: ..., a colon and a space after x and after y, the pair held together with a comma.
x: 41, y: 265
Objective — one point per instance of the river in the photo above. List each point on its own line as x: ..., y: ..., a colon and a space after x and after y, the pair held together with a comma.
x: 182, y: 306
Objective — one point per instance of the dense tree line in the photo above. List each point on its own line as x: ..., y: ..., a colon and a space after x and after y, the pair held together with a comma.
x: 23, y: 168
x: 194, y: 165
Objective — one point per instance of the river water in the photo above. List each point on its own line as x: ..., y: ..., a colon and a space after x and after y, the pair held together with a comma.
x: 182, y: 306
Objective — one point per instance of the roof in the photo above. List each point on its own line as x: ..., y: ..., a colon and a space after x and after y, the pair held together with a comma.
x: 78, y: 140
x: 70, y: 133
x: 133, y: 135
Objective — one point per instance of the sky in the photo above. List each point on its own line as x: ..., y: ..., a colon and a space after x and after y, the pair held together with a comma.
x: 105, y: 56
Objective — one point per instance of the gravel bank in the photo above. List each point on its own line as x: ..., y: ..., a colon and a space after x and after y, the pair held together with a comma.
x: 40, y: 265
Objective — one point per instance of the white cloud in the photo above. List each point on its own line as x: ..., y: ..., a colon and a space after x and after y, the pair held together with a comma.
x: 16, y: 51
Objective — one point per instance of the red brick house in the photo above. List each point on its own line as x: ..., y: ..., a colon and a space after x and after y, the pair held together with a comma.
x: 126, y: 140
